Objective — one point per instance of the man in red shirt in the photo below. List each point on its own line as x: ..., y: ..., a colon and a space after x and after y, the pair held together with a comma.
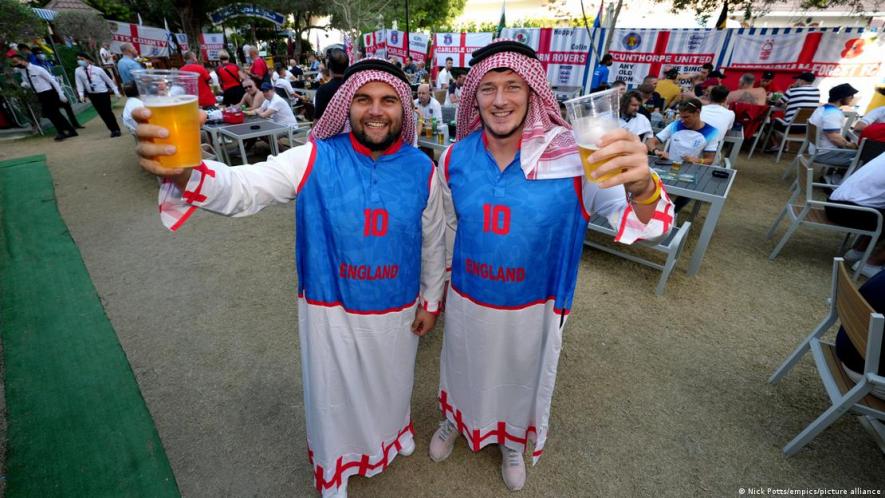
x: 229, y: 79
x: 204, y: 91
x: 258, y: 71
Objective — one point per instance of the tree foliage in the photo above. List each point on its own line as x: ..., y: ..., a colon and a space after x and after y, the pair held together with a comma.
x: 17, y: 21
x: 750, y: 9
x: 90, y: 30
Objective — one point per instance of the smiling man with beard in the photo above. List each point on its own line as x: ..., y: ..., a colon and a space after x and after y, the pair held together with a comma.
x: 370, y: 257
x: 517, y: 207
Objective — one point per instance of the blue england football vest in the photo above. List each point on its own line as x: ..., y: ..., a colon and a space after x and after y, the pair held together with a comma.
x: 358, y: 226
x: 518, y: 241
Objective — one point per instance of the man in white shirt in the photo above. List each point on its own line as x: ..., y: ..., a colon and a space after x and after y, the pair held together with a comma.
x: 275, y: 108
x: 132, y: 103
x: 453, y: 94
x: 866, y: 187
x: 281, y: 72
x: 427, y: 105
x: 445, y: 75
x: 829, y: 119
x: 93, y: 82
x: 282, y: 81
x: 631, y: 120
x: 49, y: 93
x: 716, y: 114
x: 107, y: 59
x: 877, y: 115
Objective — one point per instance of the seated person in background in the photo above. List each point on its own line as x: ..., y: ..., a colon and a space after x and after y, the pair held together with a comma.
x: 280, y: 71
x: 420, y: 75
x: 829, y: 120
x: 765, y: 81
x: 716, y: 114
x: 453, y: 93
x: 651, y: 100
x: 669, y: 88
x: 801, y: 94
x: 631, y: 120
x: 282, y: 82
x: 875, y: 116
x: 427, y: 106
x: 132, y: 103
x: 295, y: 70
x: 746, y: 93
x: 698, y: 78
x: 852, y: 362
x: 409, y: 67
x: 621, y: 85
x: 865, y: 187
x: 275, y: 108
x: 691, y: 140
x: 713, y: 79
x: 252, y: 99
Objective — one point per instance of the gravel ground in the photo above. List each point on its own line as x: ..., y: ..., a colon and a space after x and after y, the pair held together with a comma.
x: 656, y: 396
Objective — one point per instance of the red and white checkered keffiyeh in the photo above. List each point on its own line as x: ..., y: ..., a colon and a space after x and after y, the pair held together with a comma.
x: 548, y: 146
x: 336, y: 117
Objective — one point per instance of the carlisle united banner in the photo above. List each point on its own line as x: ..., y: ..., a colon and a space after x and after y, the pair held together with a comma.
x: 638, y: 53
x: 458, y: 46
x: 417, y: 45
x: 210, y: 45
x: 563, y: 52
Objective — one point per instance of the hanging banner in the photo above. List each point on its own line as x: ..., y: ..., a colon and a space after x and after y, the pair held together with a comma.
x: 418, y: 43
x: 376, y: 44
x: 563, y: 52
x: 458, y: 46
x: 638, y: 53
x: 235, y: 10
x: 148, y: 41
x: 210, y: 45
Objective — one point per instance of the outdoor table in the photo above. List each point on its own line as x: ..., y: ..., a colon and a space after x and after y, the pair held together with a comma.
x: 304, y: 91
x: 736, y: 138
x: 705, y: 188
x: 245, y: 131
x: 211, y: 128
x: 432, y: 143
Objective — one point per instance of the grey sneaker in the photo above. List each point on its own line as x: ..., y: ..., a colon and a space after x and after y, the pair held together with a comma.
x: 512, y: 468
x: 443, y: 441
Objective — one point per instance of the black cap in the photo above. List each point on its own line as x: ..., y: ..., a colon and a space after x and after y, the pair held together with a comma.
x: 672, y: 72
x: 266, y: 86
x: 842, y: 91
x: 502, y: 46
x: 715, y: 74
x: 378, y: 65
x: 809, y: 77
x: 767, y: 75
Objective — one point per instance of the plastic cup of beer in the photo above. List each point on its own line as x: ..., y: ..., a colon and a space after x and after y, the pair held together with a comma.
x: 676, y: 164
x: 171, y: 96
x: 593, y: 116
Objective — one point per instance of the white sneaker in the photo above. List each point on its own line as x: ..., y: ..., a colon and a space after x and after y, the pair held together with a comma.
x: 512, y: 468
x: 408, y: 448
x: 443, y: 441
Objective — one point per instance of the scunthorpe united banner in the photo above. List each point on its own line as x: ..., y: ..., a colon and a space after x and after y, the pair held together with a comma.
x: 418, y: 43
x: 637, y: 53
x: 148, y: 41
x: 210, y: 45
x: 564, y: 52
x: 458, y: 46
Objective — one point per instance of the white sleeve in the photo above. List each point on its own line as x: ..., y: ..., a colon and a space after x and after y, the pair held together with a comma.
x: 78, y: 80
x: 109, y: 82
x: 52, y: 82
x: 451, y: 219
x: 612, y: 204
x: 664, y: 134
x: 433, y: 248
x: 875, y: 116
x: 237, y: 191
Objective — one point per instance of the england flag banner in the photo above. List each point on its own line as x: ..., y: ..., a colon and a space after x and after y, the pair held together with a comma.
x: 210, y: 45
x: 774, y: 48
x: 458, y: 46
x: 563, y: 52
x: 418, y: 43
x: 637, y: 53
x: 148, y: 41
x: 376, y: 44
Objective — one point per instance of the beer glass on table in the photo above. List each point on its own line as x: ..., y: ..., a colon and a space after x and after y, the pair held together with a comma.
x: 171, y: 96
x: 593, y: 116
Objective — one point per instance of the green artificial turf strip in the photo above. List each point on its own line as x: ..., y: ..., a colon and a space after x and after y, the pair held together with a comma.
x: 77, y: 423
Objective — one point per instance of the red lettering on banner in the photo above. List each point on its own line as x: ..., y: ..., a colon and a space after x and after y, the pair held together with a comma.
x: 494, y: 273
x: 650, y: 58
x: 369, y: 273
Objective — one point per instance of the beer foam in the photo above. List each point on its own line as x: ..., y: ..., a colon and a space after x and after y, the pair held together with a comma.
x: 167, y: 100
x: 590, y: 130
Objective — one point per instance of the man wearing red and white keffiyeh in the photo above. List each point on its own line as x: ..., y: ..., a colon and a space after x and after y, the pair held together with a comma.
x: 517, y: 207
x: 370, y: 255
